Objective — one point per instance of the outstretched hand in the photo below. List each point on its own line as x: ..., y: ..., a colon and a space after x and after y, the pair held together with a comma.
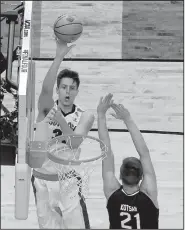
x: 55, y: 115
x: 121, y: 112
x: 62, y: 48
x: 104, y: 104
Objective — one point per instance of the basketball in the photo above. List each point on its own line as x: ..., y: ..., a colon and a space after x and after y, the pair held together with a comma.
x: 68, y: 28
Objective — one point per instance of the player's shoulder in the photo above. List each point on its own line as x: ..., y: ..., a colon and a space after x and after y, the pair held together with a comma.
x: 115, y: 194
x: 149, y: 197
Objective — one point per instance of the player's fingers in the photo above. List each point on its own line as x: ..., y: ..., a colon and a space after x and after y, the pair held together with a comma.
x: 110, y: 95
x: 118, y: 106
x: 71, y: 47
x: 104, y: 98
x: 60, y: 41
x: 51, y: 112
x: 56, y: 39
x: 108, y: 98
x: 113, y: 114
x: 49, y: 118
x: 121, y: 106
x: 115, y: 107
x: 111, y: 102
x: 54, y: 110
x: 101, y: 99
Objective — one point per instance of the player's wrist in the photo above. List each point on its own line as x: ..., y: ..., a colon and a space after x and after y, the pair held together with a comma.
x: 127, y: 119
x: 60, y: 55
x: 101, y: 115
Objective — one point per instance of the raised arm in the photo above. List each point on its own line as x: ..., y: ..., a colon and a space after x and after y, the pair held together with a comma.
x: 110, y: 183
x: 149, y: 183
x: 45, y: 101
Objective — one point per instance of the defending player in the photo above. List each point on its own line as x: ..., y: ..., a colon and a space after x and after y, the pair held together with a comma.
x: 63, y: 117
x: 131, y: 204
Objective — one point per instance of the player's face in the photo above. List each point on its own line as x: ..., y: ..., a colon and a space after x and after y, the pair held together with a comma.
x: 67, y: 91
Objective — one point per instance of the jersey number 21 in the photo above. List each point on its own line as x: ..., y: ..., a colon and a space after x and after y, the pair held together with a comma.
x: 128, y: 217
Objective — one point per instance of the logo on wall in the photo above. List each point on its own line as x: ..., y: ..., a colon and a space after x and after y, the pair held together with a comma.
x: 24, y: 62
x: 26, y: 27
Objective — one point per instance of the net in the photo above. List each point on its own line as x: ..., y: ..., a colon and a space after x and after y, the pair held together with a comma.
x: 73, y: 158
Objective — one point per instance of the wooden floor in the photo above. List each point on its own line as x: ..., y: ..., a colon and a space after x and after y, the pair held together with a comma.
x: 155, y: 101
x: 167, y: 156
x: 152, y: 91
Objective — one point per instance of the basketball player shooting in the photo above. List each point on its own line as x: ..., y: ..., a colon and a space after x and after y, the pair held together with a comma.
x: 61, y: 117
x: 130, y: 204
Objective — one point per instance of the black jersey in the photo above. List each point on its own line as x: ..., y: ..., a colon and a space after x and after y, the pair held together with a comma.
x: 133, y: 211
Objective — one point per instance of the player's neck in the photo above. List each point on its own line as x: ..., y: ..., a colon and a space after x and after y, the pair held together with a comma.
x: 130, y: 189
x: 65, y: 108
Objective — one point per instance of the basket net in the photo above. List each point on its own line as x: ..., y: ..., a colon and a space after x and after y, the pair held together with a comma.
x: 74, y: 162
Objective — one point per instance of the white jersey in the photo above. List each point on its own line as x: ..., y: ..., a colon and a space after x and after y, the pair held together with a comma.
x: 72, y: 118
x: 53, y: 210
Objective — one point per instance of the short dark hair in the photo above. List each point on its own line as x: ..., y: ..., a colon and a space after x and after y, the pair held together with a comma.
x: 131, y: 171
x: 66, y: 73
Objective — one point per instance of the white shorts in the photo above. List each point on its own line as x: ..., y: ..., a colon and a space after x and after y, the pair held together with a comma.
x: 57, y: 212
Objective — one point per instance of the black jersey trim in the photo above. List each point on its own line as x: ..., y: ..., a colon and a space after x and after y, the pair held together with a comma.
x: 72, y: 111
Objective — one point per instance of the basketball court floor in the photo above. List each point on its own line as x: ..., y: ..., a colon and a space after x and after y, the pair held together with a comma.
x: 152, y: 91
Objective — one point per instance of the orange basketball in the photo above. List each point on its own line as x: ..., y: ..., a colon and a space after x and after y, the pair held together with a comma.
x: 68, y: 28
